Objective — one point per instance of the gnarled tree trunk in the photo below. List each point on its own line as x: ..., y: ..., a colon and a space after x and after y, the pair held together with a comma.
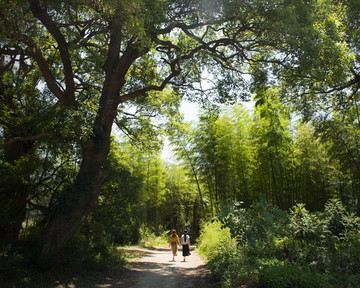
x: 79, y: 200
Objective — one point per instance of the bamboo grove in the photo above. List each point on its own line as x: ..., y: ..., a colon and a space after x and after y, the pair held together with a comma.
x: 243, y: 156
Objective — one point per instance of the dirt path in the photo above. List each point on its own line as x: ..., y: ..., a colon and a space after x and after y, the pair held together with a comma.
x: 156, y: 269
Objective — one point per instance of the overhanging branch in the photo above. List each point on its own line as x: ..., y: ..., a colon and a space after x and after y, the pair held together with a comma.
x: 29, y: 138
x: 143, y: 92
x: 50, y: 25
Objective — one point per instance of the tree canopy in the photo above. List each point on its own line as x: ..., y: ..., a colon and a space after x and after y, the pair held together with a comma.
x: 70, y: 70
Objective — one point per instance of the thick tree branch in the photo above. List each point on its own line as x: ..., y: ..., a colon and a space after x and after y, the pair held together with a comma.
x: 112, y: 58
x: 35, y: 52
x: 339, y: 88
x: 142, y: 92
x: 37, y: 205
x: 175, y: 71
x: 50, y: 25
x: 29, y: 138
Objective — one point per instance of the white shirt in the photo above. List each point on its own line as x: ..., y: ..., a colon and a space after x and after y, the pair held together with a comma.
x: 187, y: 239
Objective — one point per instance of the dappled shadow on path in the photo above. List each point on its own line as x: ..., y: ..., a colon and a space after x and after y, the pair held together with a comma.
x: 155, y: 276
x: 156, y: 269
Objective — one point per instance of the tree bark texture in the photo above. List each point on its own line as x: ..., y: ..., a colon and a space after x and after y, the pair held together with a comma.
x: 80, y: 199
x: 77, y: 202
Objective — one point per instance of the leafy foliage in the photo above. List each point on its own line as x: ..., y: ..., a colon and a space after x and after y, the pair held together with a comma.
x: 284, y: 275
x: 299, y: 249
x: 214, y: 237
x: 219, y: 249
x: 69, y: 71
x: 149, y: 239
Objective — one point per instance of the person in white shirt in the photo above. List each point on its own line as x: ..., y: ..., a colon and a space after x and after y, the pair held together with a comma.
x: 185, y: 242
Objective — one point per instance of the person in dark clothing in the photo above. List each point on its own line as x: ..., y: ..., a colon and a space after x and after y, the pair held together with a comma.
x: 185, y: 242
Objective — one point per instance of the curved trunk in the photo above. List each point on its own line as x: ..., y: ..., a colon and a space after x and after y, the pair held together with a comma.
x: 77, y: 203
x: 81, y: 198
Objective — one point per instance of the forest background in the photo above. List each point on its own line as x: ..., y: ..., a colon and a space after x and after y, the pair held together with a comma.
x: 90, y: 90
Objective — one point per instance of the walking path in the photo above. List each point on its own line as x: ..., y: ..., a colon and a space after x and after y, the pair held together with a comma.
x: 156, y: 269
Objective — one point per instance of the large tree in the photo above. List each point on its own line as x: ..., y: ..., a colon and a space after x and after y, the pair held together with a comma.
x: 99, y: 57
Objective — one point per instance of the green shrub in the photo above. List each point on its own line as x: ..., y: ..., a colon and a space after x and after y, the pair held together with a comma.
x: 303, y: 225
x: 353, y: 281
x: 284, y: 275
x: 346, y: 256
x: 213, y: 239
x: 89, y: 253
x: 80, y: 259
x: 230, y: 265
x: 261, y: 221
x: 306, y: 249
x: 334, y: 217
x: 220, y: 263
x: 344, y: 281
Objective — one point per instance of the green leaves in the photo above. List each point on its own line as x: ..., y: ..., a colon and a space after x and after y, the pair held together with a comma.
x: 83, y: 66
x: 280, y: 249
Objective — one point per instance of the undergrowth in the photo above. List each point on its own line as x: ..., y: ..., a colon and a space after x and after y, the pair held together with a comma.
x: 276, y: 249
x: 82, y: 260
x: 149, y: 239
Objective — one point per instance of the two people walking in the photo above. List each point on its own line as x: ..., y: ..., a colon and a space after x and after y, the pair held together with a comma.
x: 185, y: 242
